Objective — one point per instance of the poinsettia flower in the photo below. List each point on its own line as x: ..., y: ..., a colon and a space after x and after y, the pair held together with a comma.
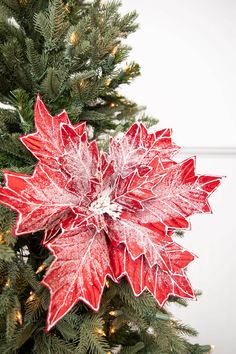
x: 106, y: 215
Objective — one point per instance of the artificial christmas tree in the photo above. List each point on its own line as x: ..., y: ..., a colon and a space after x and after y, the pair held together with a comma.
x: 88, y: 218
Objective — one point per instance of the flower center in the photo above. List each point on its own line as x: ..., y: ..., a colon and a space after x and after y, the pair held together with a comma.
x: 103, y: 204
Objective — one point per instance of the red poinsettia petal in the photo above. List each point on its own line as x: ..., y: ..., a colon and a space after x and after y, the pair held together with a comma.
x: 133, y: 189
x: 179, y: 194
x: 160, y: 141
x: 137, y: 238
x: 45, y: 144
x: 174, y: 257
x: 155, y: 245
x: 80, y: 129
x: 142, y: 277
x: 41, y: 200
x: 61, y: 222
x: 137, y: 147
x: 79, y: 161
x: 78, y: 271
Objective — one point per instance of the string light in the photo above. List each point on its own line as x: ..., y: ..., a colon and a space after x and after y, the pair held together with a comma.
x: 107, y: 284
x: 113, y: 105
x: 101, y: 332
x: 126, y: 68
x: 82, y: 82
x: 107, y: 82
x: 23, y: 2
x: 19, y: 317
x: 41, y: 268
x: 74, y: 38
x: 8, y: 283
x: 31, y: 297
x: 114, y: 50
x: 113, y: 313
x: 112, y: 330
x: 101, y: 19
x: 67, y: 8
x: 2, y: 239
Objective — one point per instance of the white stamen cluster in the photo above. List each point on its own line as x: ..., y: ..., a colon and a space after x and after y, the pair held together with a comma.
x: 103, y: 204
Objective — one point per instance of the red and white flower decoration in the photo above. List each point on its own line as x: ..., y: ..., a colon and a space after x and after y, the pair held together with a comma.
x: 106, y: 215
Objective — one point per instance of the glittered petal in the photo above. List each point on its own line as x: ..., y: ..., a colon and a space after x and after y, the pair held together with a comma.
x: 79, y: 161
x: 78, y: 271
x: 179, y: 194
x: 141, y: 276
x: 137, y: 148
x: 45, y: 144
x: 39, y: 199
x: 157, y: 247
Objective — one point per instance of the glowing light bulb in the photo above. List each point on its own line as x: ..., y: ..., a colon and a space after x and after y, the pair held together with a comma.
x: 101, y: 332
x: 31, y: 297
x: 112, y: 330
x: 2, y: 240
x: 107, y: 82
x: 74, y: 38
x: 81, y: 84
x: 41, y: 268
x: 8, y: 283
x: 114, y: 50
x: 23, y: 2
x: 67, y: 8
x: 113, y: 313
x: 19, y: 317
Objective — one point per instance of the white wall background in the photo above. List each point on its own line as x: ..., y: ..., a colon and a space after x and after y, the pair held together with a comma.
x: 187, y: 51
